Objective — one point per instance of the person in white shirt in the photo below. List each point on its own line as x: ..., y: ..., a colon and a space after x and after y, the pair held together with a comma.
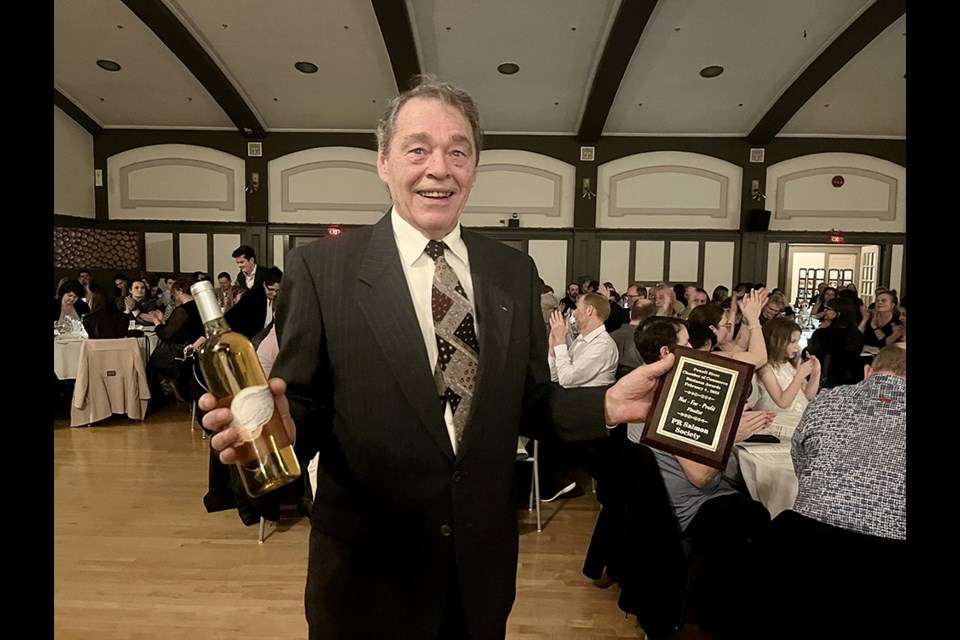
x: 590, y: 360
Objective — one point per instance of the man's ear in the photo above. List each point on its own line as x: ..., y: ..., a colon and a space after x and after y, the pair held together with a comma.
x: 664, y: 351
x: 867, y: 371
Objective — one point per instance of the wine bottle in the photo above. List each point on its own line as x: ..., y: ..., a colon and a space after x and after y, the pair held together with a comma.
x: 233, y: 374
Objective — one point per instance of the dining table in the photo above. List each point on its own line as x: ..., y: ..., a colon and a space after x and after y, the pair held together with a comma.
x: 67, y: 347
x: 766, y: 469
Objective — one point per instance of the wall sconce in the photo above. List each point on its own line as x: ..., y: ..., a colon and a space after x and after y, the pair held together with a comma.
x: 254, y: 185
x: 587, y: 193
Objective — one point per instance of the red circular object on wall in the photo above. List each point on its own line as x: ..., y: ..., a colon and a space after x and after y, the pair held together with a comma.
x: 837, y: 181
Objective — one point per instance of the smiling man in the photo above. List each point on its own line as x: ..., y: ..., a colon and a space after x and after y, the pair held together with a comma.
x: 411, y: 352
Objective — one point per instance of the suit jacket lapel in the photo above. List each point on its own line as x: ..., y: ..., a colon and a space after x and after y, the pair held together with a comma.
x: 494, y: 319
x: 384, y: 299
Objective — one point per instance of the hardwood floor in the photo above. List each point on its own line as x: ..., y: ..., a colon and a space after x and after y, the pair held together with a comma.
x: 136, y: 555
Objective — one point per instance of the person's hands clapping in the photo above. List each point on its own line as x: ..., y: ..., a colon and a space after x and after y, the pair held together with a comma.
x: 559, y: 328
x: 752, y: 422
x: 751, y: 304
x: 225, y: 436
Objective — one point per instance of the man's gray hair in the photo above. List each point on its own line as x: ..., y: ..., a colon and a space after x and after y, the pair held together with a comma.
x: 428, y: 87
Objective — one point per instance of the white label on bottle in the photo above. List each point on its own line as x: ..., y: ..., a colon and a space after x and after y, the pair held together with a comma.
x: 252, y: 408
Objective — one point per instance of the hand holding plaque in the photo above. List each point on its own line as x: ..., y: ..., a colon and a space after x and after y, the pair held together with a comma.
x: 697, y: 406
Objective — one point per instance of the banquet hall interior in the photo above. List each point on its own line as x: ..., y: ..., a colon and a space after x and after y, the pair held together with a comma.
x: 696, y: 142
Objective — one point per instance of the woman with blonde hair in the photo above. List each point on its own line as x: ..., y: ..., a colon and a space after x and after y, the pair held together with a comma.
x: 787, y: 383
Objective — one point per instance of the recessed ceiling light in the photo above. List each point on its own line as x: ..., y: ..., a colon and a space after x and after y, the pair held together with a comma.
x: 108, y: 65
x: 508, y: 68
x: 712, y: 71
x: 306, y: 67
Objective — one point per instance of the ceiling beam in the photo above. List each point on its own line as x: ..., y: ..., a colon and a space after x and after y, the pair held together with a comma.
x: 397, y: 31
x: 79, y: 115
x: 621, y: 44
x: 870, y: 24
x: 158, y: 17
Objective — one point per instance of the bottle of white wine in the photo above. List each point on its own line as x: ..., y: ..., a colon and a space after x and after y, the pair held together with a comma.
x: 233, y: 374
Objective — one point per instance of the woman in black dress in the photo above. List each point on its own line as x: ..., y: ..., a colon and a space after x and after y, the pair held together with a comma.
x: 838, y: 346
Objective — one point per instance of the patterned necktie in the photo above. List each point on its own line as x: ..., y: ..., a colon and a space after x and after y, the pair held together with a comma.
x: 457, y: 347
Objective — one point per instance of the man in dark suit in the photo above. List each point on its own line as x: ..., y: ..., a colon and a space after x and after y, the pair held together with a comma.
x: 250, y: 275
x: 414, y: 523
x: 254, y: 310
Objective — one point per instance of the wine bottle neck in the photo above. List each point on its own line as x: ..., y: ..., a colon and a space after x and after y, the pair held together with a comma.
x: 215, y: 326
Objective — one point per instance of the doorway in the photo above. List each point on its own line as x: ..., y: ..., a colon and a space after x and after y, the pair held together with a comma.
x: 838, y: 265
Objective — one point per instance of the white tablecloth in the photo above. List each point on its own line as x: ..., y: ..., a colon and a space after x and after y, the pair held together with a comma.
x: 66, y: 352
x: 767, y: 470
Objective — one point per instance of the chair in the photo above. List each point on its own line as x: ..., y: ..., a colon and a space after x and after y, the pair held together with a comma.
x: 524, y: 456
x: 111, y: 379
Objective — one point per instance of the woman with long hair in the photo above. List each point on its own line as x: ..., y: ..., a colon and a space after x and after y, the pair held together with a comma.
x: 881, y: 325
x: 820, y: 307
x: 787, y: 383
x: 104, y: 321
x: 839, y: 344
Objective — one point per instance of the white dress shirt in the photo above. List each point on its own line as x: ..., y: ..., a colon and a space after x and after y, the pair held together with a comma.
x: 590, y: 361
x: 418, y: 270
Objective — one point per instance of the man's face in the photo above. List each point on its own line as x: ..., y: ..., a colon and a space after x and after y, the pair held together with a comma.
x: 633, y: 294
x: 698, y: 298
x: 138, y: 290
x: 84, y: 278
x: 224, y: 283
x: 771, y: 310
x: 431, y: 166
x: 272, y: 290
x: 664, y: 296
x: 120, y: 283
x: 246, y: 265
x: 689, y: 292
x: 582, y: 315
x: 573, y: 291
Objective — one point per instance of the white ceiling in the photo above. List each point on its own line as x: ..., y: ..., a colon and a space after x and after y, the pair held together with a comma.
x: 764, y: 45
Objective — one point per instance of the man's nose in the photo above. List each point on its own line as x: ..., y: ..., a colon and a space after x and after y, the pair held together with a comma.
x: 437, y: 164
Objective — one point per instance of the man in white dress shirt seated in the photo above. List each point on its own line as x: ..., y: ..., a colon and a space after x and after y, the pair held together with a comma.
x: 590, y: 360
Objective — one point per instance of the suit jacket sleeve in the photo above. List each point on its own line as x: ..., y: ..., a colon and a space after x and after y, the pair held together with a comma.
x: 301, y: 361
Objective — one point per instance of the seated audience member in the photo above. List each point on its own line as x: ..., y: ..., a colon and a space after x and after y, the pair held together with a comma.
x: 548, y: 302
x: 787, y: 309
x: 846, y: 533
x: 774, y: 308
x: 720, y: 293
x: 701, y: 337
x: 86, y: 281
x: 635, y: 291
x: 721, y: 321
x: 182, y: 328
x: 105, y: 321
x: 569, y: 301
x: 139, y: 303
x: 618, y: 315
x: 680, y: 293
x: 666, y: 300
x: 629, y: 358
x: 819, y: 309
x: 589, y: 361
x: 696, y: 298
x: 787, y: 384
x: 838, y: 345
x: 68, y: 303
x: 224, y: 291
x: 121, y: 290
x: 881, y: 325
x: 712, y: 514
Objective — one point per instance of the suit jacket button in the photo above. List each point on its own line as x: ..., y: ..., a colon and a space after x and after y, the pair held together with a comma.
x: 445, y: 530
x: 456, y: 476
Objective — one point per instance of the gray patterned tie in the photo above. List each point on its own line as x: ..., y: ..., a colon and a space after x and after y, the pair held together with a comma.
x: 457, y: 347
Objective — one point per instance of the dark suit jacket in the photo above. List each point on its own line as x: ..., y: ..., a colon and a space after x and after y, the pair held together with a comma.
x: 247, y: 316
x: 395, y: 509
